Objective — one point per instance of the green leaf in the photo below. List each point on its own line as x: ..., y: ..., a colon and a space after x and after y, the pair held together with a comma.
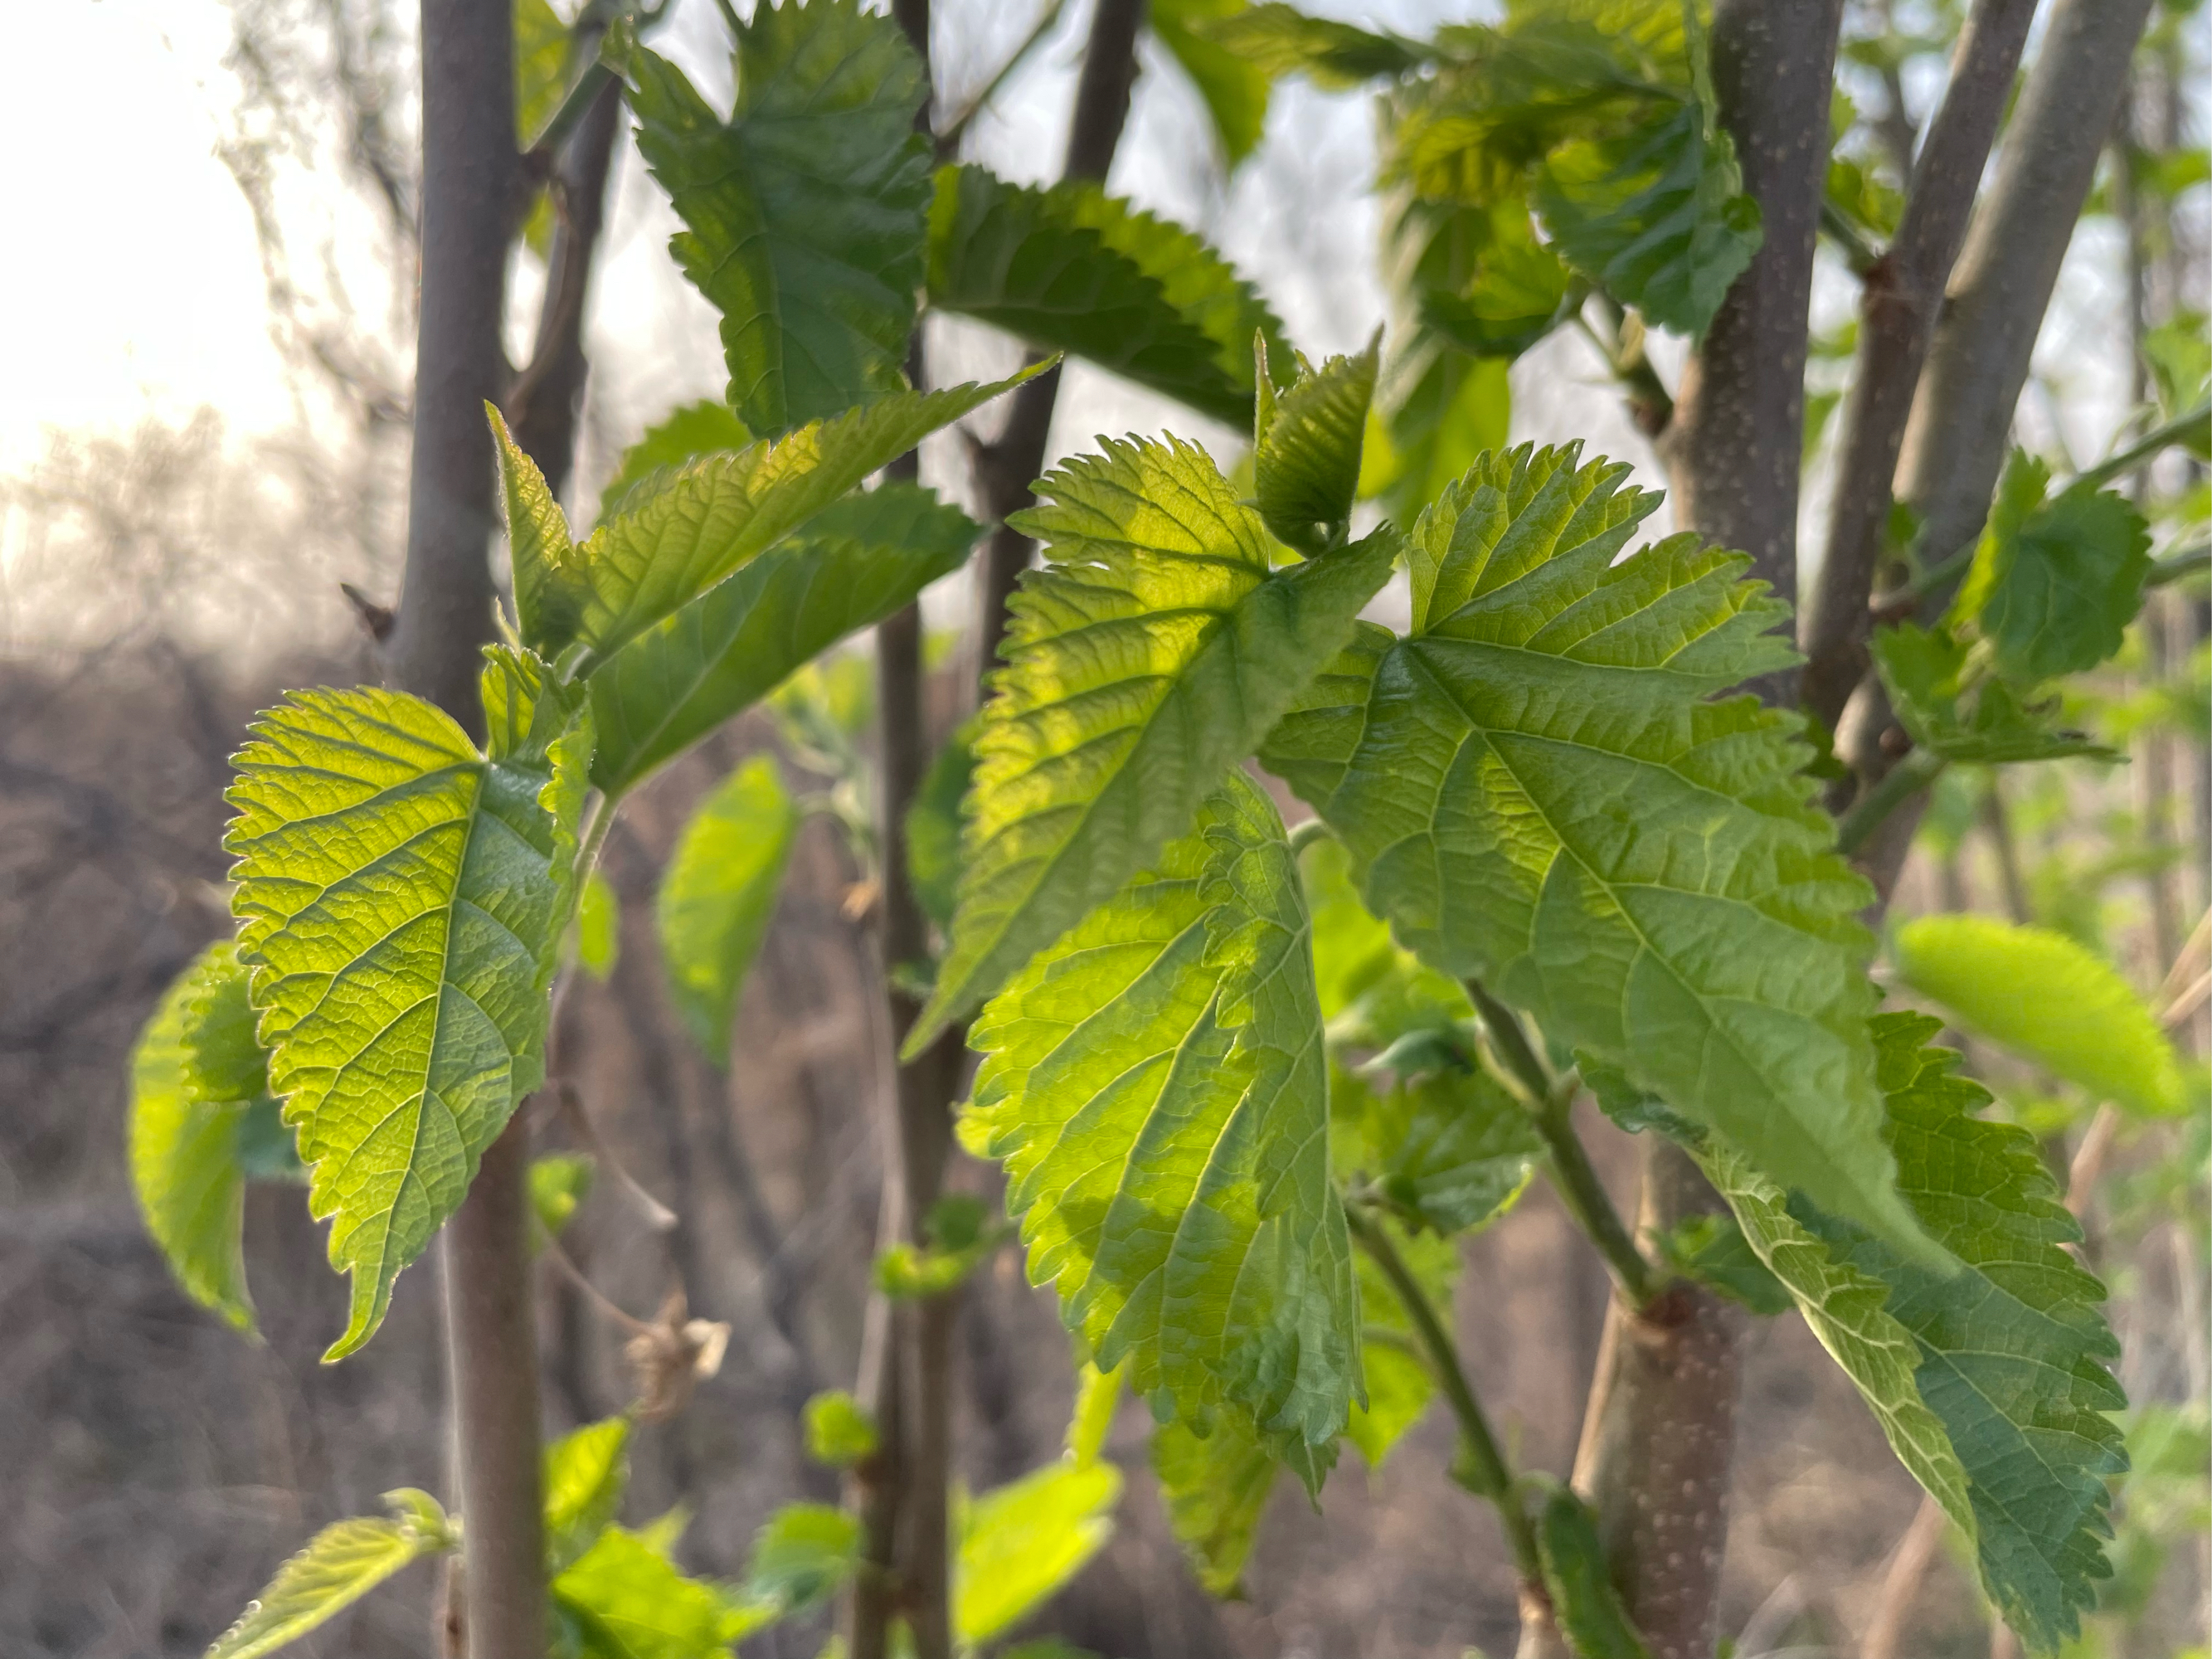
x: 2048, y: 1000
x: 401, y: 900
x: 682, y: 532
x: 1234, y: 89
x: 1373, y: 994
x: 1399, y: 1383
x: 1305, y: 455
x: 341, y: 1563
x: 198, y: 1080
x: 1143, y: 662
x: 801, y: 1558
x: 706, y: 427
x: 839, y: 1432
x: 1280, y: 40
x: 932, y: 828
x: 2055, y: 584
x: 586, y: 1472
x: 1930, y: 678
x: 1517, y: 294
x: 636, y: 1602
x: 1587, y: 1606
x: 1451, y: 1149
x: 1071, y: 268
x: 1992, y: 1384
x: 1156, y: 1086
x: 541, y: 67
x: 1216, y: 1489
x: 1656, y: 216
x: 1021, y: 1543
x: 718, y: 892
x: 805, y: 213
x: 1712, y: 1250
x: 1098, y: 1397
x: 1455, y: 408
x: 595, y: 937
x: 862, y: 558
x: 558, y: 1184
x: 1538, y: 787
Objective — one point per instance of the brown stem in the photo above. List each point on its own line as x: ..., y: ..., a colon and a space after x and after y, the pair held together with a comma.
x: 1006, y: 467
x: 1660, y: 1426
x: 445, y: 613
x: 1659, y: 1430
x: 1898, y: 305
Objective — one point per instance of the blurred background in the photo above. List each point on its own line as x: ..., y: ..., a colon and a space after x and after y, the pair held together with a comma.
x: 204, y: 393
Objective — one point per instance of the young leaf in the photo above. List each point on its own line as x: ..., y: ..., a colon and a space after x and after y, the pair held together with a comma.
x: 1098, y: 1397
x: 932, y: 828
x: 862, y: 558
x: 558, y: 1184
x: 1280, y: 40
x: 1926, y: 674
x: 198, y: 1076
x: 1143, y: 662
x: 1537, y: 786
x: 1515, y: 297
x: 1993, y: 1384
x: 341, y: 1563
x: 1305, y: 452
x: 683, y: 530
x: 633, y: 1598
x: 1233, y: 88
x: 805, y: 212
x: 1452, y: 410
x: 1216, y: 1489
x: 1656, y: 216
x: 1450, y: 1150
x: 401, y: 900
x: 2048, y: 1000
x: 719, y: 893
x: 839, y: 1432
x: 1071, y: 268
x: 1586, y: 1606
x: 706, y: 427
x: 1023, y: 1542
x: 585, y: 1473
x: 801, y: 1558
x: 2055, y: 584
x: 1155, y: 1085
x: 541, y: 67
x: 598, y: 928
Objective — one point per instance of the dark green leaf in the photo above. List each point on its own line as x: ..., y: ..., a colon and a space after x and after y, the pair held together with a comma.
x: 1587, y: 1607
x: 718, y: 892
x: 932, y: 828
x: 1450, y: 1148
x: 1712, y: 1249
x: 805, y: 211
x: 1928, y: 674
x: 1233, y: 88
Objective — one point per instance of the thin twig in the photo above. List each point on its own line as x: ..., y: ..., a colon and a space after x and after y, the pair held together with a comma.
x: 658, y: 1216
x: 2147, y: 448
x: 627, y: 1322
x: 1490, y: 1476
x: 948, y: 138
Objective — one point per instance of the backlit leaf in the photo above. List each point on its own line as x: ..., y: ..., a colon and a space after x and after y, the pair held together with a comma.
x: 1232, y: 87
x: 718, y: 892
x: 1146, y: 660
x: 683, y: 530
x: 862, y: 558
x: 1216, y: 1489
x: 1156, y: 1086
x: 401, y: 900
x: 596, y: 935
x: 804, y: 211
x: 558, y: 1184
x: 637, y: 1605
x: 341, y: 1563
x: 2047, y: 1000
x: 706, y: 428
x: 801, y: 1556
x: 1538, y: 787
x: 541, y: 67
x: 1021, y: 1543
x: 585, y: 1471
x: 1281, y: 40
x: 197, y: 1078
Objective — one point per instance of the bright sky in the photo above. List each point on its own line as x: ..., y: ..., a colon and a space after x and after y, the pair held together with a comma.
x: 135, y: 287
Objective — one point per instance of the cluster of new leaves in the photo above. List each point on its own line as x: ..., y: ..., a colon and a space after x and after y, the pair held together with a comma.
x: 2054, y: 582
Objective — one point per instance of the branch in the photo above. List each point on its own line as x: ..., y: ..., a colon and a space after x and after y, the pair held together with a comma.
x: 1487, y: 1473
x: 1551, y: 1102
x: 1903, y: 293
x: 2148, y: 447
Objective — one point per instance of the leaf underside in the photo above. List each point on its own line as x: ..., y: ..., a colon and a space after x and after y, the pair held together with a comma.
x: 1306, y: 461
x: 1156, y: 1086
x: 401, y: 899
x: 339, y: 1566
x: 1216, y: 1489
x: 1148, y: 659
x: 1537, y: 786
x: 1993, y: 1384
x: 805, y: 212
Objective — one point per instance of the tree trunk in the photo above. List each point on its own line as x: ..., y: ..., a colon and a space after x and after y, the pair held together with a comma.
x: 445, y: 614
x: 1659, y: 1431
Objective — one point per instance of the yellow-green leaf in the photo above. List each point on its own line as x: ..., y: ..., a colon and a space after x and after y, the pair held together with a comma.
x: 341, y: 1563
x: 719, y: 893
